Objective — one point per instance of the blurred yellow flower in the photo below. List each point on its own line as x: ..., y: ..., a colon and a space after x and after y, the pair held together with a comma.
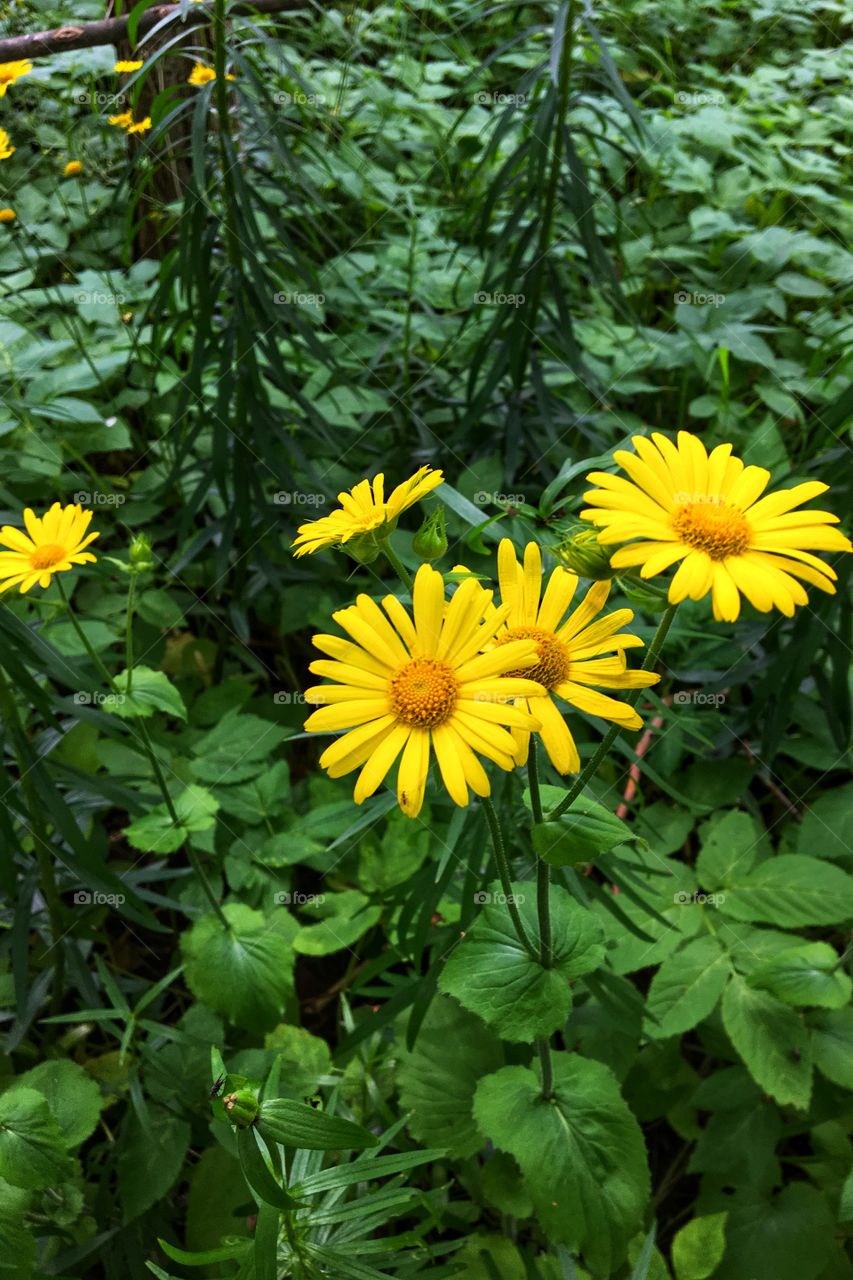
x: 5, y: 148
x: 7, y: 215
x: 56, y: 542
x: 140, y: 126
x: 418, y: 685
x: 72, y: 168
x: 364, y: 510
x: 201, y: 74
x: 127, y: 65
x: 123, y: 119
x: 12, y: 71
x: 706, y: 510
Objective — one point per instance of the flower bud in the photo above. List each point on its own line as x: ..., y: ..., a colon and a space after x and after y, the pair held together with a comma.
x: 430, y: 541
x: 583, y: 554
x: 140, y: 552
x: 364, y: 548
x: 645, y: 595
x: 241, y: 1107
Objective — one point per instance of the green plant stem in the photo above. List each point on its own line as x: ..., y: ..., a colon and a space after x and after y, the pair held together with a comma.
x: 128, y: 633
x: 545, y: 1062
x: 83, y: 638
x: 615, y: 730
x: 397, y: 565
x: 504, y: 874
x: 543, y: 911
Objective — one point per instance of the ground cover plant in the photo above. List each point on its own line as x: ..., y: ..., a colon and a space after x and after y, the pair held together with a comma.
x: 424, y: 639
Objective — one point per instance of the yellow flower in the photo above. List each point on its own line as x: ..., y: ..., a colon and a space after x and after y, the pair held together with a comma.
x: 12, y: 71
x: 72, y: 168
x: 127, y: 65
x: 573, y: 653
x: 56, y: 543
x: 422, y: 685
x: 140, y: 126
x: 706, y: 510
x: 200, y: 75
x: 123, y: 119
x: 7, y: 215
x: 364, y: 510
x: 5, y: 149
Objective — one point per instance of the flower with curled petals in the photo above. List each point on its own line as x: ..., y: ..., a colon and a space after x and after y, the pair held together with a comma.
x: 412, y: 686
x: 365, y: 512
x: 707, y: 511
x: 52, y: 544
x: 578, y: 654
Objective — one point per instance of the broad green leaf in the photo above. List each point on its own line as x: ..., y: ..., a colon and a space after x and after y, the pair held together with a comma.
x: 16, y: 1242
x: 304, y: 1058
x: 805, y: 975
x: 232, y: 752
x: 493, y: 975
x: 824, y: 831
x: 295, y: 1124
x: 581, y: 1153
x: 686, y: 987
x: 150, y: 691
x: 32, y: 1150
x: 156, y: 832
x: 772, y: 1041
x: 150, y: 1159
x: 787, y: 1238
x: 698, y: 1247
x: 394, y: 857
x: 483, y: 1257
x: 578, y: 836
x: 244, y: 972
x: 344, y: 918
x: 791, y: 890
x: 503, y: 1186
x: 832, y: 1045
x: 259, y: 799
x: 729, y: 845
x: 438, y: 1076
x: 74, y: 1098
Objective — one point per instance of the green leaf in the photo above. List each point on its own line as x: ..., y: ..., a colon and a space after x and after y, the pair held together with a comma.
x: 729, y: 844
x: 805, y: 975
x: 232, y: 752
x: 160, y: 608
x: 156, y: 832
x: 32, y: 1150
x: 346, y: 917
x: 396, y: 856
x: 581, y: 1153
x: 150, y: 691
x: 787, y: 1238
x: 150, y: 1159
x: 260, y: 799
x: 438, y: 1076
x: 832, y: 1046
x: 74, y: 1098
x: 295, y: 1124
x: 772, y: 1041
x: 686, y: 987
x: 258, y: 1174
x: 304, y: 1058
x: 698, y: 1247
x: 16, y: 1242
x: 791, y: 890
x: 245, y: 972
x: 579, y: 835
x: 493, y: 975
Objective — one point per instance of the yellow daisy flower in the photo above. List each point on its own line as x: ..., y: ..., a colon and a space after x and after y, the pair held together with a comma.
x: 200, y: 75
x: 140, y: 126
x: 574, y: 653
x: 5, y: 148
x: 128, y: 65
x: 706, y: 510
x: 123, y: 119
x: 364, y: 510
x: 72, y: 168
x: 7, y: 215
x: 56, y: 542
x: 12, y: 71
x: 420, y: 684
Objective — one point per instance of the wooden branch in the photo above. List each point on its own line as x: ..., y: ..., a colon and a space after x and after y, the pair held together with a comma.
x: 111, y: 30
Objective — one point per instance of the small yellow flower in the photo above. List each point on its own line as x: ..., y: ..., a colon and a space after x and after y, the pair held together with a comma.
x: 575, y: 653
x: 140, y: 126
x: 200, y: 75
x: 56, y: 542
x: 420, y: 684
x: 5, y: 148
x: 123, y: 119
x: 7, y: 215
x: 12, y: 71
x: 126, y: 66
x: 364, y: 510
x: 72, y: 168
x: 706, y: 510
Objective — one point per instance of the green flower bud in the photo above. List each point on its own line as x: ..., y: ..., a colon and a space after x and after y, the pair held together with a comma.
x: 241, y: 1107
x: 583, y: 554
x: 430, y: 541
x: 364, y: 548
x: 645, y: 595
x: 140, y: 552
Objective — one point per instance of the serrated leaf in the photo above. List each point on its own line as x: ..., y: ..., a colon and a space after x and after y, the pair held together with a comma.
x: 686, y: 987
x: 806, y: 975
x: 74, y: 1098
x: 150, y: 691
x: 791, y: 890
x: 245, y: 972
x: 150, y: 1159
x: 832, y: 1046
x: 729, y: 845
x: 157, y: 832
x: 32, y: 1151
x: 698, y: 1247
x: 772, y: 1041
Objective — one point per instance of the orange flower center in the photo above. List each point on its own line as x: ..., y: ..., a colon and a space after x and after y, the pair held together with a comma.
x: 553, y: 665
x: 712, y: 526
x: 423, y: 692
x: 46, y: 557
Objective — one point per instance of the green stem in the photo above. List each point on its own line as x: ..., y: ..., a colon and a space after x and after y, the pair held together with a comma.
x: 397, y: 565
x: 83, y: 638
x: 504, y: 873
x: 615, y: 730
x: 547, y: 1069
x: 543, y: 911
x: 128, y: 638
